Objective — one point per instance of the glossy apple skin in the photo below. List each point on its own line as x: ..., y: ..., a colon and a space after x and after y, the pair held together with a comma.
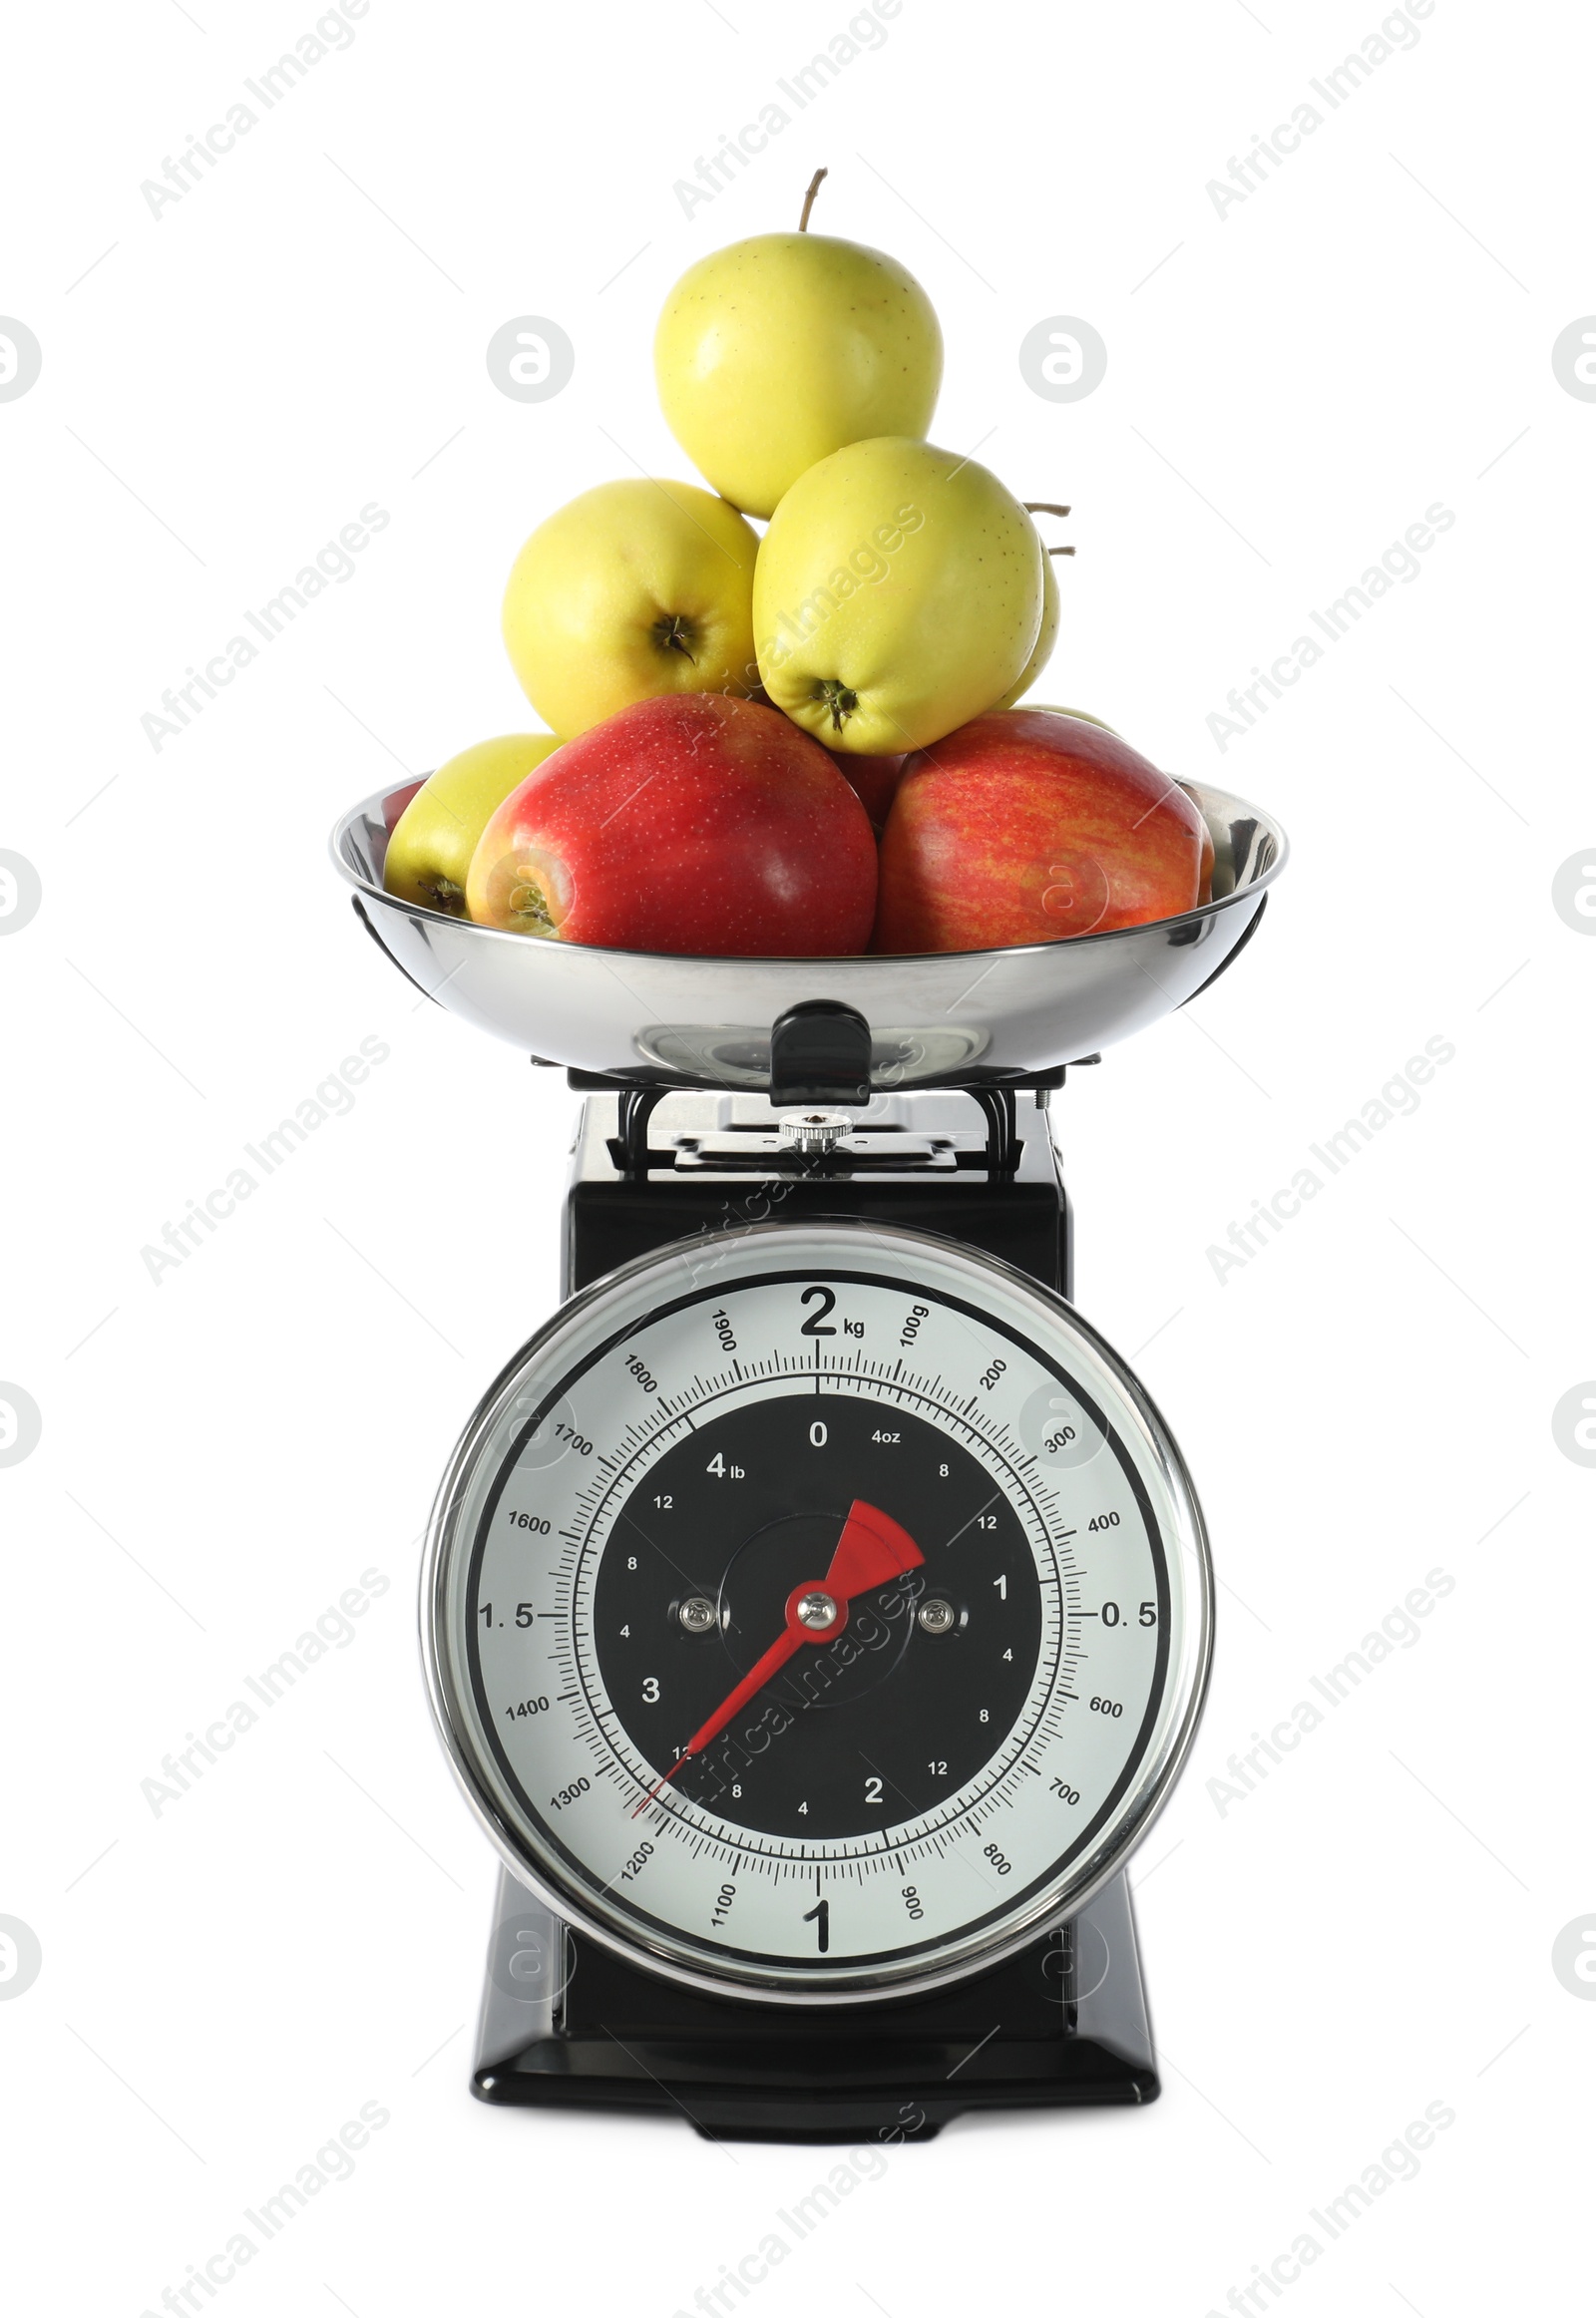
x: 774, y: 353
x: 697, y: 825
x: 897, y: 593
x: 1041, y: 651
x: 1026, y: 826
x: 431, y: 844
x: 1081, y: 715
x: 393, y: 805
x: 874, y: 781
x: 604, y: 584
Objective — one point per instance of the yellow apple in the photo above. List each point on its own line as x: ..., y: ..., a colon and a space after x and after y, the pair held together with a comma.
x: 1081, y: 715
x: 1047, y: 637
x: 897, y: 593
x: 774, y: 353
x: 436, y: 835
x: 634, y: 589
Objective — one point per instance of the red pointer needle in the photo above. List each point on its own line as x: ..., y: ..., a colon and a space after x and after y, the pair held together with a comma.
x: 872, y: 1549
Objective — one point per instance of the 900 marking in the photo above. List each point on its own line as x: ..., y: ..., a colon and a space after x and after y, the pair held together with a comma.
x: 767, y: 1706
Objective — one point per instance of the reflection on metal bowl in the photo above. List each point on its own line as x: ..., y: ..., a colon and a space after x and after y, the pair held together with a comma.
x: 958, y: 1018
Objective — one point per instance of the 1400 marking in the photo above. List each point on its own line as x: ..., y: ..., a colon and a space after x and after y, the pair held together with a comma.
x: 765, y: 1702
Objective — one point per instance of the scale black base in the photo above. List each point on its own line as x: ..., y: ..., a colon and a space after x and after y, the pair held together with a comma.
x: 1064, y: 2024
x: 701, y: 1078
x: 565, y: 2023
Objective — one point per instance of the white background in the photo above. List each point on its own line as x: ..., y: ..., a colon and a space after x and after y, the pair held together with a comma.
x: 1288, y: 387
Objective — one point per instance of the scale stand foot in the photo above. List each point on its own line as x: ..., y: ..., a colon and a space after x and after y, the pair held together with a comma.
x: 565, y: 2024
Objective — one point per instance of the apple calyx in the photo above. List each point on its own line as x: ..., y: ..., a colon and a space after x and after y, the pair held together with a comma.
x: 809, y: 197
x: 442, y: 893
x: 529, y: 907
x: 841, y: 700
x: 672, y: 633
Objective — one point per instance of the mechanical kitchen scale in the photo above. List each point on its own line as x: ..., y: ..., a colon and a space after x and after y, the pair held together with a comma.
x: 816, y: 1610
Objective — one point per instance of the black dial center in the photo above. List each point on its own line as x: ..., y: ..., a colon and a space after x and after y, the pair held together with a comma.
x: 795, y: 1550
x: 871, y: 1723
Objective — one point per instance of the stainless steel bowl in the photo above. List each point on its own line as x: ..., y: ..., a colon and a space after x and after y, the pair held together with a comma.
x: 959, y: 1017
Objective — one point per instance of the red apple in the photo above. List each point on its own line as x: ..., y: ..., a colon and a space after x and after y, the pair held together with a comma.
x: 873, y: 780
x: 1027, y: 826
x: 690, y: 822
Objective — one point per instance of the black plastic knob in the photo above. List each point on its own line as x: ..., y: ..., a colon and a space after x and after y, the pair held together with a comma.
x: 819, y: 1053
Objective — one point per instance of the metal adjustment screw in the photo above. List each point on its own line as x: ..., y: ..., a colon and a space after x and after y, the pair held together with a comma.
x: 696, y: 1614
x: 817, y: 1611
x: 815, y: 1132
x: 938, y: 1616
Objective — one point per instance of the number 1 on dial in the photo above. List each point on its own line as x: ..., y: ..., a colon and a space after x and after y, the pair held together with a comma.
x: 820, y: 1917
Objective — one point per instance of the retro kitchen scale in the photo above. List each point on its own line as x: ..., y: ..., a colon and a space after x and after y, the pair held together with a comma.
x: 816, y: 1610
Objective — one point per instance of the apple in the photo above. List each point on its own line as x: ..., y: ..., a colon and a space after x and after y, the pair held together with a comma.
x: 774, y: 353
x: 631, y: 590
x: 872, y: 781
x: 394, y: 803
x: 1082, y: 715
x: 435, y: 836
x: 897, y: 593
x: 1026, y: 826
x: 1041, y: 651
x: 696, y: 825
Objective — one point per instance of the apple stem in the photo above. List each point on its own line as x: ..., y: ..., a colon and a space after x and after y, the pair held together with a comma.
x: 671, y: 634
x: 1047, y: 506
x: 809, y: 197
x: 840, y: 699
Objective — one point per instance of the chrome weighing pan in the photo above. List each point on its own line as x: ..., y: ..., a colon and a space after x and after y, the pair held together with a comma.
x: 955, y: 1019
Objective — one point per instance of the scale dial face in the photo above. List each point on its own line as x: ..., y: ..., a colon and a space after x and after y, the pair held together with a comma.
x: 816, y: 1612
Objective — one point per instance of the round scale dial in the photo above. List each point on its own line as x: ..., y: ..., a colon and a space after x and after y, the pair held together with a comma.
x: 816, y: 1610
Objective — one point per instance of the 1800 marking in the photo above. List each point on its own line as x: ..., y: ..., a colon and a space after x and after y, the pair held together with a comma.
x: 826, y: 1651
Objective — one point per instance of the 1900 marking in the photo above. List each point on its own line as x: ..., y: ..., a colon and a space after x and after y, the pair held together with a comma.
x: 806, y: 1677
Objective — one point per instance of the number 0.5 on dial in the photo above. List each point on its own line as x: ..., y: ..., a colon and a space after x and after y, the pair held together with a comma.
x: 817, y: 1611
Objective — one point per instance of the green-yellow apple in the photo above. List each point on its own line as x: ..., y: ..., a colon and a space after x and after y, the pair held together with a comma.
x: 633, y: 590
x: 774, y: 353
x: 436, y: 835
x: 897, y: 593
x: 1047, y: 637
x: 1083, y: 715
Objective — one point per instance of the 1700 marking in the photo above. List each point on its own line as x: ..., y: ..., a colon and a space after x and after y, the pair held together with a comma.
x: 960, y: 1654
